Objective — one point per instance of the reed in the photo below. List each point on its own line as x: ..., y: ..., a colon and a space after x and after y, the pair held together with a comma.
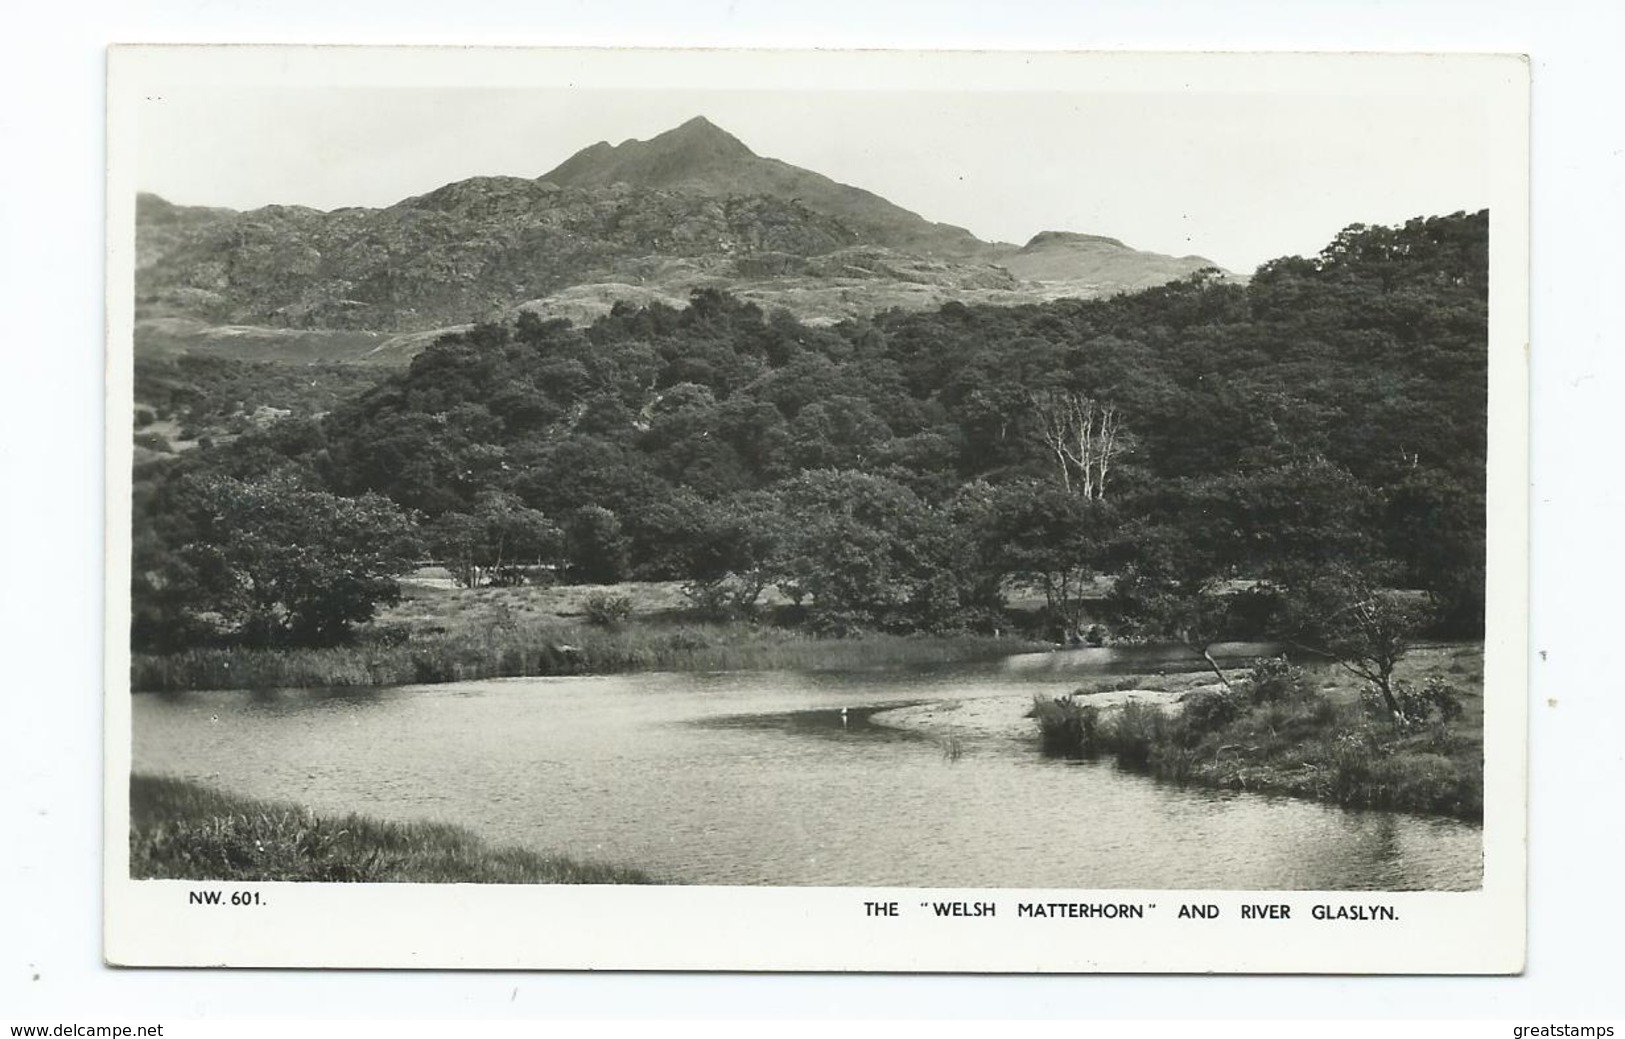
x: 1066, y: 728
x: 551, y: 648
x: 185, y: 831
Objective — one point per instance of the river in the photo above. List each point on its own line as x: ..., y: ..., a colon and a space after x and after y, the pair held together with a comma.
x: 756, y: 778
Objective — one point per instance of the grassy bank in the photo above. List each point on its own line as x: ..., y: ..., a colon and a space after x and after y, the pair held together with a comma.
x: 1307, y: 737
x: 183, y: 831
x: 449, y: 635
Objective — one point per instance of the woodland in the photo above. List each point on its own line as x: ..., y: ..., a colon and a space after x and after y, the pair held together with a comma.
x: 1299, y: 457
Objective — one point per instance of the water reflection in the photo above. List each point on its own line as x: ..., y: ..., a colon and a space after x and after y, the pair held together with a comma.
x: 846, y: 722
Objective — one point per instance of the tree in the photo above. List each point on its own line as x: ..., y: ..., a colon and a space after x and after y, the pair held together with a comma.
x: 839, y: 433
x: 1365, y: 630
x: 866, y: 551
x: 597, y: 551
x: 896, y: 471
x: 1055, y: 539
x: 1195, y: 608
x: 1084, y: 435
x: 1212, y: 558
x: 1435, y: 530
x: 496, y: 541
x: 271, y: 562
x: 457, y: 542
x: 721, y: 550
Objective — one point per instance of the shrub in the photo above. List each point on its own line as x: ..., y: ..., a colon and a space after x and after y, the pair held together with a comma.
x: 833, y: 622
x: 709, y: 598
x: 1435, y: 701
x: 607, y: 610
x: 1349, y: 768
x: 1135, y: 734
x: 1361, y: 770
x: 687, y: 641
x: 725, y: 598
x: 1208, y: 710
x: 1065, y: 727
x: 429, y: 668
x: 1276, y: 679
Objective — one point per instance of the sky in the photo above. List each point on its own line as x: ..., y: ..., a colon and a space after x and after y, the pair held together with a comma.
x: 1237, y: 177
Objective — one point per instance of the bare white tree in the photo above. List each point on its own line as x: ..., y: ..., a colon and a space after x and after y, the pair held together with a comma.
x: 1084, y: 435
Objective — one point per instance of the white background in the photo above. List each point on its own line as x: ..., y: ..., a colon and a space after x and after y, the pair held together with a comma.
x: 51, y: 471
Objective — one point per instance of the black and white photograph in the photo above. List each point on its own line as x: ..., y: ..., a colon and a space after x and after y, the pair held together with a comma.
x: 963, y: 504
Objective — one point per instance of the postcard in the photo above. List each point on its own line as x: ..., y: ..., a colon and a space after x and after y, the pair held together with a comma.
x: 816, y: 511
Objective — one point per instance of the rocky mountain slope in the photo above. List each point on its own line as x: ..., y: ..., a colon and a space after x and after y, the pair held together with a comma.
x: 701, y: 158
x: 645, y: 220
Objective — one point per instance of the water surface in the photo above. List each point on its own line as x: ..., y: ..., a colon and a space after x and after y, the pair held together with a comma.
x: 755, y: 778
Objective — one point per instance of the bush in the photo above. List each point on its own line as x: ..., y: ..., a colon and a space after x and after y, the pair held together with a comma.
x: 1208, y: 710
x: 1065, y: 727
x: 709, y: 598
x: 1436, y: 700
x: 687, y: 641
x: 1135, y: 734
x: 607, y: 610
x: 1276, y: 680
x: 725, y: 598
x: 837, y: 623
x: 428, y: 668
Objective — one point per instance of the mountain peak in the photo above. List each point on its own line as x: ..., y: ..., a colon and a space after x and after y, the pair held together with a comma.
x: 701, y: 135
x: 693, y: 151
x: 701, y: 127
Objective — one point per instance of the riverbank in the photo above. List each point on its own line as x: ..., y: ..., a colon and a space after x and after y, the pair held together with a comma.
x: 438, y: 634
x: 1315, y: 741
x: 181, y: 830
x: 1010, y: 715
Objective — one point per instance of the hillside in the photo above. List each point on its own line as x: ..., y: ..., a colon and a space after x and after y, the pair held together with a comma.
x: 1324, y: 423
x: 1095, y: 265
x: 466, y: 250
x: 701, y: 158
x: 692, y: 208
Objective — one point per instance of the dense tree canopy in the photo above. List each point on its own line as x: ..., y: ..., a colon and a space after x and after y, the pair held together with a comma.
x: 897, y: 472
x: 269, y: 560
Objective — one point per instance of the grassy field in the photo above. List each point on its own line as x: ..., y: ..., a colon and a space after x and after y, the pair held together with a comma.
x: 438, y: 634
x: 183, y: 831
x: 1315, y: 741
